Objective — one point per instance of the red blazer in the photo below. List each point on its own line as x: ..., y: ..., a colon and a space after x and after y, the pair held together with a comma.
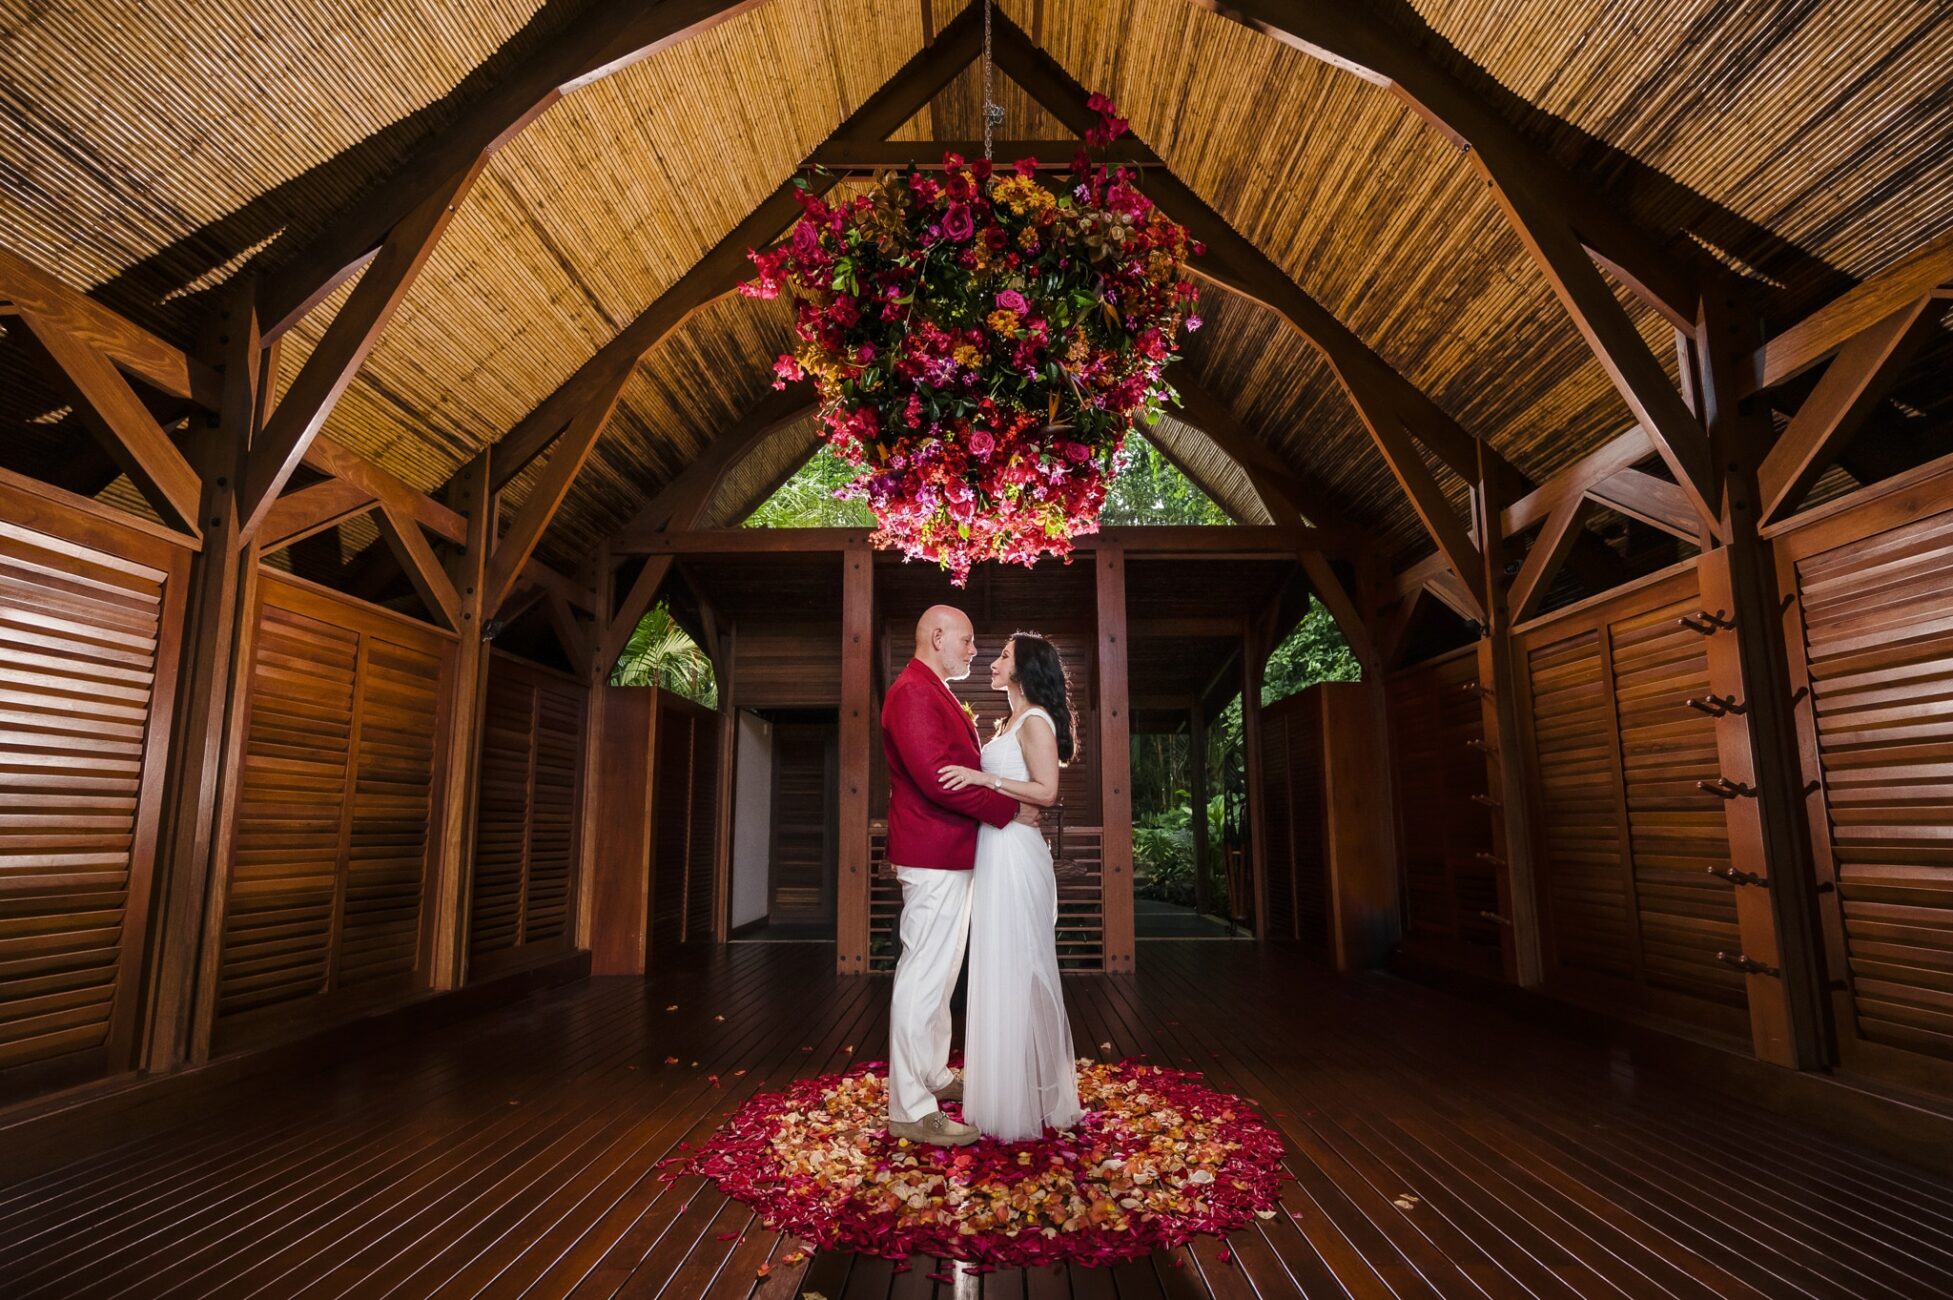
x: 923, y: 731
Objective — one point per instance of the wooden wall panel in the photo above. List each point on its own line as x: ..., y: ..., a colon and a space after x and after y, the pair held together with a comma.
x: 792, y: 667
x: 1278, y: 848
x: 90, y: 614
x: 1625, y: 837
x: 684, y: 823
x: 1443, y: 831
x: 335, y: 800
x: 526, y: 832
x: 1872, y: 643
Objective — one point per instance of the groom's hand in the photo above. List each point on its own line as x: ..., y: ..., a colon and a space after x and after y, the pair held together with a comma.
x: 1028, y: 813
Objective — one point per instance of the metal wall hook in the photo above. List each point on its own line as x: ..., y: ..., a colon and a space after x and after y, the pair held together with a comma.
x: 1496, y: 919
x: 1489, y: 859
x: 1474, y: 689
x: 1487, y: 801
x: 1724, y: 788
x: 1747, y: 965
x: 1716, y: 705
x: 1736, y: 877
x: 1704, y: 622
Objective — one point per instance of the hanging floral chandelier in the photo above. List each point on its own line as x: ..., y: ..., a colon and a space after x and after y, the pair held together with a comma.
x: 981, y: 344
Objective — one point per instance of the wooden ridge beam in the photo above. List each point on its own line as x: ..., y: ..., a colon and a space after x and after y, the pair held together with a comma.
x: 1847, y: 392
x: 858, y: 156
x: 422, y: 567
x: 608, y: 36
x: 280, y: 445
x: 1357, y: 39
x: 1143, y: 541
x: 1795, y: 350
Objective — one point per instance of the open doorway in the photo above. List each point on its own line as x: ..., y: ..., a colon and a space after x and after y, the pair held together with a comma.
x: 785, y: 838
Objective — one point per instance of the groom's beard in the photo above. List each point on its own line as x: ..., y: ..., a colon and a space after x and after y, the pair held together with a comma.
x: 961, y: 673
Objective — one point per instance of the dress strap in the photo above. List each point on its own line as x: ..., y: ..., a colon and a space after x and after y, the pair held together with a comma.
x: 1036, y: 710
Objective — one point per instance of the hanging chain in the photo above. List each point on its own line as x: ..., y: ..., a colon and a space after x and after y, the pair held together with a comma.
x: 993, y: 112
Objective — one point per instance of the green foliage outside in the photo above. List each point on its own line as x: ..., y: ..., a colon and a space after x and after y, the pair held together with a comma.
x: 807, y: 499
x: 661, y: 653
x: 1162, y: 776
x: 1149, y: 490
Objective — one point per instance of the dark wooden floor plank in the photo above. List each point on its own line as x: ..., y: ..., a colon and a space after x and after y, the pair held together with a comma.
x: 1541, y: 1167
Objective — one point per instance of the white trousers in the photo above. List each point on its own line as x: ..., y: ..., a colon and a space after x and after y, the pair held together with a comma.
x: 935, y: 928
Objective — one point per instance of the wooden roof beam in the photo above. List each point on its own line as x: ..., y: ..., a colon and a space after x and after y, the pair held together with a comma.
x: 1621, y: 452
x: 1214, y: 416
x: 607, y: 36
x: 1359, y: 40
x: 1921, y: 275
x: 682, y: 506
x: 281, y: 442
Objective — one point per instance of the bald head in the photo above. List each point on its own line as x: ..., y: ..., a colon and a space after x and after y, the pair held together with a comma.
x: 945, y: 641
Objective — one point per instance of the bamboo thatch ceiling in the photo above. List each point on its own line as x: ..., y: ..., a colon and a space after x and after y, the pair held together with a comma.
x: 151, y: 150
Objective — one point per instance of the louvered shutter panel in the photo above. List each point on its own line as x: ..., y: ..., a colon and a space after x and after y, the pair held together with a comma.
x: 390, y: 815
x: 82, y: 712
x: 291, y: 812
x: 553, y: 818
x: 335, y: 813
x: 1676, y: 832
x: 1579, y: 853
x: 1878, y: 650
x: 501, y: 812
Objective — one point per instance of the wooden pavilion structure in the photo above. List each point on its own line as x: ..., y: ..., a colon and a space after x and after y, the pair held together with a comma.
x: 363, y: 384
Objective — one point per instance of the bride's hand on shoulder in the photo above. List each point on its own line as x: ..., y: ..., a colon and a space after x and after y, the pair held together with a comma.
x: 956, y: 778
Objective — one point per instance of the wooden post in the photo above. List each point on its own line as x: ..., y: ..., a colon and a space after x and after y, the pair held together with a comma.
x: 1757, y: 746
x: 1197, y: 795
x: 1254, y: 656
x: 857, y: 680
x: 728, y: 791
x: 596, y: 672
x: 1115, y: 760
x: 216, y: 657
x: 468, y: 493
x: 1507, y: 782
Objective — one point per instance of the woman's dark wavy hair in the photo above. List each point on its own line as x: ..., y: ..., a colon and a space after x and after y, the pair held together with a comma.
x: 1042, y: 677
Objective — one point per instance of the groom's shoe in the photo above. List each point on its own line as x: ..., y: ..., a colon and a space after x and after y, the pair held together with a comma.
x: 953, y: 1090
x: 935, y: 1128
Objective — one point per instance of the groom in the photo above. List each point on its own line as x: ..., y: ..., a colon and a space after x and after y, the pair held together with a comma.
x: 932, y: 836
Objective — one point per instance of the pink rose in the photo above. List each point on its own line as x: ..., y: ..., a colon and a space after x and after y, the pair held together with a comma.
x: 982, y: 444
x: 1077, y: 452
x: 958, y: 225
x: 1011, y: 300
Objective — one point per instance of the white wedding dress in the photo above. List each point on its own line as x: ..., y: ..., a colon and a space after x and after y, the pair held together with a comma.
x: 1018, y: 1070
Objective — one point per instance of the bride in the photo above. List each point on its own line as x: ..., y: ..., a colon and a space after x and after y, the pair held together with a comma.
x: 1018, y: 1070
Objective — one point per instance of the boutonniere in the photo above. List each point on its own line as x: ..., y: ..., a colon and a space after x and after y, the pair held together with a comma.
x: 968, y: 712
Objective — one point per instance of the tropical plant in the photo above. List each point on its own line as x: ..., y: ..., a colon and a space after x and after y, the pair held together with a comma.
x: 661, y: 653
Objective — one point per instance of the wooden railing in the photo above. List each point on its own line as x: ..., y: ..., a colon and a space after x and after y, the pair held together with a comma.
x: 1081, y: 909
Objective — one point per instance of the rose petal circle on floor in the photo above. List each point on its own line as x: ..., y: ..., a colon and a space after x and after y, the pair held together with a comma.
x: 1158, y: 1158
